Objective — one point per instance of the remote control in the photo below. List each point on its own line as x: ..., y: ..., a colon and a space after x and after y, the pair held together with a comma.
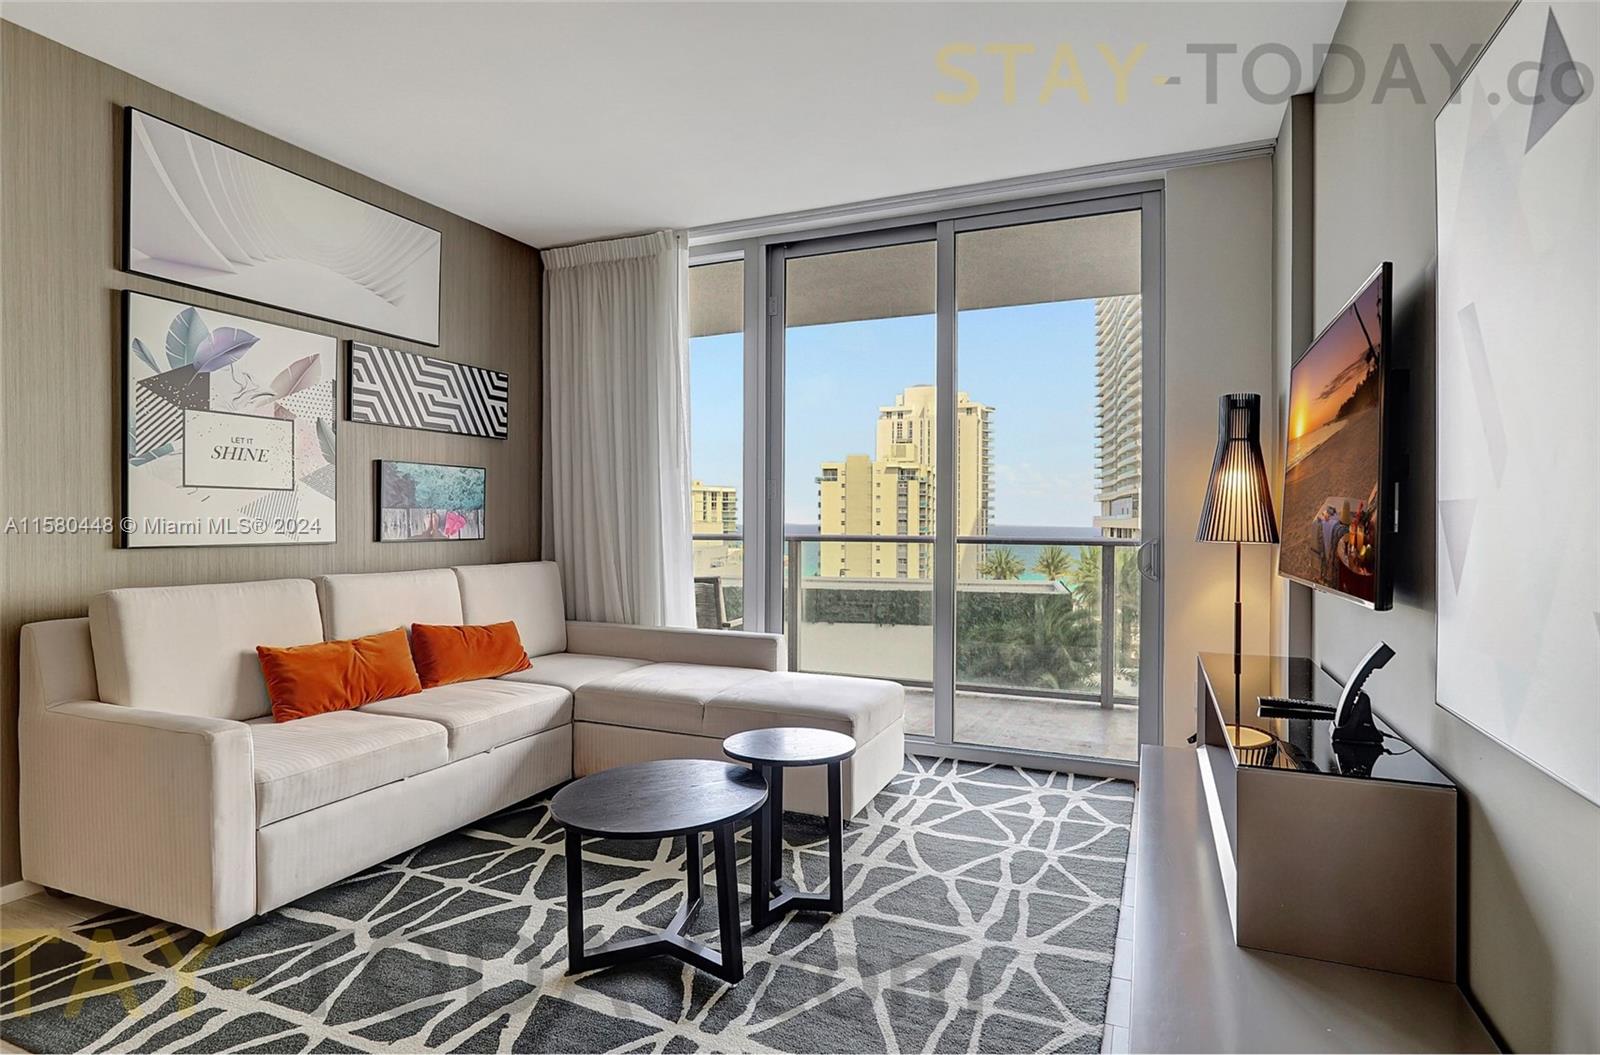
x: 1285, y: 707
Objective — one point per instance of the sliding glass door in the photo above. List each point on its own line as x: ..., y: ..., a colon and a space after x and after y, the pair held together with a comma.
x: 860, y: 427
x: 716, y: 441
x: 951, y: 429
x: 1048, y: 349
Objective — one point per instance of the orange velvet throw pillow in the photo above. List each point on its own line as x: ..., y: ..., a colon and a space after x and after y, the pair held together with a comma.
x: 446, y: 654
x: 337, y: 675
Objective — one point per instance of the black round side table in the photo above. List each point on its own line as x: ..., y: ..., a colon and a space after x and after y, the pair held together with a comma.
x: 657, y: 800
x: 770, y: 752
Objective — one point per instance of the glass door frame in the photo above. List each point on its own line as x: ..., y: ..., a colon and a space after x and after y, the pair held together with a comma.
x: 765, y: 259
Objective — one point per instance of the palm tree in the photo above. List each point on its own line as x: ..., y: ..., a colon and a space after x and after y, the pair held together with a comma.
x: 1001, y: 563
x: 1025, y: 641
x: 1083, y: 577
x: 1084, y: 581
x: 1053, y: 563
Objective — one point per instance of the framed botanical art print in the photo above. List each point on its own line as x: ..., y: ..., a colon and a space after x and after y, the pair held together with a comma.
x: 203, y: 214
x: 423, y: 502
x: 229, y: 429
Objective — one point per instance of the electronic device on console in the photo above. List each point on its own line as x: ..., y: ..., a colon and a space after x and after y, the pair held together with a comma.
x: 1352, y: 722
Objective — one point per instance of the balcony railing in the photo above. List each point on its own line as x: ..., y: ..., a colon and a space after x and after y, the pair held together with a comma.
x: 1072, y: 636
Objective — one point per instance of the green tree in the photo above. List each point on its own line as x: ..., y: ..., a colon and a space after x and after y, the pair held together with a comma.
x: 1083, y: 580
x: 1025, y: 640
x: 1001, y: 563
x: 1053, y: 563
x: 1128, y: 594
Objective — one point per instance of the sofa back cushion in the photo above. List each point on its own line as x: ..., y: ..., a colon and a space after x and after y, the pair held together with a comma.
x: 358, y: 605
x: 192, y: 649
x: 528, y: 594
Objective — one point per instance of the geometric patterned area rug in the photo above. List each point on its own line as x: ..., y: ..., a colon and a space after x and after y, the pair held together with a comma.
x: 981, y: 916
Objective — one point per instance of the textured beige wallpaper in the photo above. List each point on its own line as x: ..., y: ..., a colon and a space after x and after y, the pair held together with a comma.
x: 60, y: 222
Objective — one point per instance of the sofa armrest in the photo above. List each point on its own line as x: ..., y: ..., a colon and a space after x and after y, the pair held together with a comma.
x: 664, y: 644
x: 142, y: 809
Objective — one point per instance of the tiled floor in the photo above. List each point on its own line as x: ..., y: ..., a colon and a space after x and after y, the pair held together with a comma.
x: 1117, y: 1036
x: 1063, y: 727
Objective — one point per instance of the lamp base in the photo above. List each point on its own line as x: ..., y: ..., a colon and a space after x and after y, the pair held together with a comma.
x: 1249, y: 743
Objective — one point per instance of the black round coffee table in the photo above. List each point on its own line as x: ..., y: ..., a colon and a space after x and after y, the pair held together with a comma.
x: 770, y: 752
x: 659, y: 800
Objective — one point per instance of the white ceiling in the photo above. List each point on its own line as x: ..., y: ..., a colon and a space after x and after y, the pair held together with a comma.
x: 557, y: 123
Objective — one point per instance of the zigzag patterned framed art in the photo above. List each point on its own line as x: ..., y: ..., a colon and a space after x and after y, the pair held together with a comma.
x: 412, y: 391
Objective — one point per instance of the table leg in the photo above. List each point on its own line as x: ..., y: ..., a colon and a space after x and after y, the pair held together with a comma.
x: 760, y: 862
x: 695, y: 865
x: 835, y: 837
x: 726, y: 963
x: 775, y: 826
x: 575, y: 957
x: 732, y: 941
x: 784, y: 895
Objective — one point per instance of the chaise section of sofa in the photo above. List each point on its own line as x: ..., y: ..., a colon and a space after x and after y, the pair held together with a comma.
x: 645, y: 693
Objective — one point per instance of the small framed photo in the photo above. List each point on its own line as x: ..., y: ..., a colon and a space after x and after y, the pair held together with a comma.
x: 424, y: 502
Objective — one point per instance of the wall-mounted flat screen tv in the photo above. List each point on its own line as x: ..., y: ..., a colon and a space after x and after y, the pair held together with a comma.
x: 1338, y: 523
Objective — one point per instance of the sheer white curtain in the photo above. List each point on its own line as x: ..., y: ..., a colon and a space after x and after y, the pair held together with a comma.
x: 616, y: 429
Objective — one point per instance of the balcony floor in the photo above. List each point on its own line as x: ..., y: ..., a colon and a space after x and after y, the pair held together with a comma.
x: 1065, y: 727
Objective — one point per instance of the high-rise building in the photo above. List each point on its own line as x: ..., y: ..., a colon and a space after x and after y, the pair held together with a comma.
x: 844, y: 507
x: 1119, y: 365
x: 892, y: 493
x: 714, y: 510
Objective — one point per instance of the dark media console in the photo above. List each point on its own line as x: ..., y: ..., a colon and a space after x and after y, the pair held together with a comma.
x: 1337, y: 847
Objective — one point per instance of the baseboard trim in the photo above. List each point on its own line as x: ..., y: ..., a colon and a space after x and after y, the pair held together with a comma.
x: 18, y: 890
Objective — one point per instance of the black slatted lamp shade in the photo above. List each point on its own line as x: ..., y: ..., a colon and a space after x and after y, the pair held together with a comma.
x: 1238, y: 509
x: 1238, y: 504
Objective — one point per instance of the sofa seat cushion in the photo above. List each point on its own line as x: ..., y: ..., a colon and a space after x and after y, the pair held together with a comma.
x: 858, y: 707
x: 670, y: 697
x: 313, y: 761
x: 572, y: 669
x: 480, y: 715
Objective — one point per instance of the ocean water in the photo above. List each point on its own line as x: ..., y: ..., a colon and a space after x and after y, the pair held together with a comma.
x: 1027, y: 553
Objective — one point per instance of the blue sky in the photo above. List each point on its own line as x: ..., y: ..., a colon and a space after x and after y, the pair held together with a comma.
x: 1033, y: 363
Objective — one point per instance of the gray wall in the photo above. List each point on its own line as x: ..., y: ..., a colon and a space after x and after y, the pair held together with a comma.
x: 1293, y: 165
x: 60, y: 217
x: 1532, y: 847
x: 1218, y: 289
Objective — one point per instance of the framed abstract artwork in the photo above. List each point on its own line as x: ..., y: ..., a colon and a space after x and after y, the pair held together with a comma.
x: 392, y: 387
x: 229, y: 429
x: 205, y: 215
x: 424, y: 502
x: 1518, y: 464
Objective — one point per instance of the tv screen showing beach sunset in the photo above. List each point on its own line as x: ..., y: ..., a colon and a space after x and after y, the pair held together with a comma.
x: 1330, y: 493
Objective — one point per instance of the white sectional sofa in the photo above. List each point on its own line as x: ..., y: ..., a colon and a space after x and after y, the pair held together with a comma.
x: 154, y: 778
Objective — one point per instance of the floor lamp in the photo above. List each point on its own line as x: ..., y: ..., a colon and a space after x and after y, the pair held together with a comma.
x: 1238, y: 509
